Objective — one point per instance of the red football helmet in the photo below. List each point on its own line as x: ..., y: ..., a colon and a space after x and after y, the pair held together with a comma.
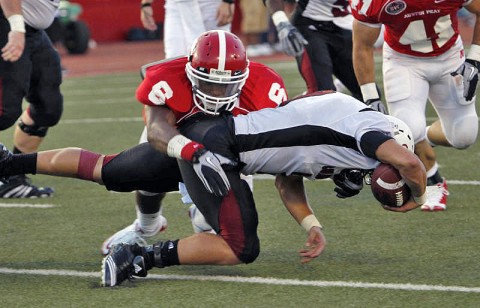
x: 217, y: 68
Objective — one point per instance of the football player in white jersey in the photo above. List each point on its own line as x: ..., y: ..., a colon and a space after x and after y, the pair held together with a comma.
x: 30, y: 69
x: 423, y: 59
x: 314, y: 136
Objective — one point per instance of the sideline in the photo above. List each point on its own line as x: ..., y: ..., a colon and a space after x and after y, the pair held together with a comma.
x: 259, y: 280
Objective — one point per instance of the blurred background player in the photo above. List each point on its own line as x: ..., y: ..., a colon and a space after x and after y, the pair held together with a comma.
x: 254, y: 27
x: 423, y: 59
x: 29, y: 68
x: 319, y: 36
x: 184, y: 21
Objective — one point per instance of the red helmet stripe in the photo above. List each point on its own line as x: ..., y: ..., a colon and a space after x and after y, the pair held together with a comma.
x: 222, y: 52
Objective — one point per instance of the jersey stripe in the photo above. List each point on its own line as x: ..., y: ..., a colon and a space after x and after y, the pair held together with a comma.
x: 306, y: 135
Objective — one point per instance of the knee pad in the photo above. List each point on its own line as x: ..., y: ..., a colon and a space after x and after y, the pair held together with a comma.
x: 33, y: 130
x: 463, y: 132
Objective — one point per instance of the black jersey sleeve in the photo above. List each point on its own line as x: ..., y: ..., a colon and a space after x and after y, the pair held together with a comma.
x: 370, y: 142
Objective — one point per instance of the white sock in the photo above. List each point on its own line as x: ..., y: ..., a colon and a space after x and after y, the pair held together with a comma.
x: 148, y: 222
x: 432, y: 170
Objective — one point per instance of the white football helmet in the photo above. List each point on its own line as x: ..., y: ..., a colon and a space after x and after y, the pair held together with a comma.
x: 402, y: 133
x: 217, y: 67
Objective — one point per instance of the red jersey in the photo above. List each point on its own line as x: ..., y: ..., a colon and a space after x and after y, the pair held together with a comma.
x: 166, y: 83
x: 422, y: 28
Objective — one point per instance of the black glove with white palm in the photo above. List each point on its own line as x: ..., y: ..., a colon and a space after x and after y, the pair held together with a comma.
x: 291, y: 40
x: 469, y: 74
x: 371, y: 97
x: 207, y: 165
x: 349, y: 183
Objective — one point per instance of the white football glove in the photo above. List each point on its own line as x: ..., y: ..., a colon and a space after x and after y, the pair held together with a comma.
x: 376, y: 104
x: 208, y: 167
x: 291, y: 40
x: 469, y: 72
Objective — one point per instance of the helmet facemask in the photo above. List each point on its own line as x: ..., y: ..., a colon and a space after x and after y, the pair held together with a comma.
x: 217, y: 90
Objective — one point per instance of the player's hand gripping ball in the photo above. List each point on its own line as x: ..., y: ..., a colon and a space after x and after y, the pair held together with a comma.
x: 388, y: 186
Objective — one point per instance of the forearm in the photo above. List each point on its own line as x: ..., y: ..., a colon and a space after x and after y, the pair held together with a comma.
x: 292, y: 193
x: 415, y: 177
x: 274, y: 5
x: 474, y: 8
x: 160, y: 127
x: 364, y: 64
x: 363, y: 52
x: 11, y: 7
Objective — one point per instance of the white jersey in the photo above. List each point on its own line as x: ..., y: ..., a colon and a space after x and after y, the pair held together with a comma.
x: 39, y: 14
x: 337, y: 11
x: 315, y: 136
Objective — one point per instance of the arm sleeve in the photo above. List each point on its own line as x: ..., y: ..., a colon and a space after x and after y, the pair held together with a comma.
x: 370, y: 142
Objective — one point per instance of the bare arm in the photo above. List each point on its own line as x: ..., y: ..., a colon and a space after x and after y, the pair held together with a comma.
x: 12, y: 9
x: 160, y: 127
x: 274, y: 5
x: 410, y: 168
x: 364, y: 38
x: 474, y: 8
x: 146, y: 15
x: 225, y: 13
x: 292, y: 193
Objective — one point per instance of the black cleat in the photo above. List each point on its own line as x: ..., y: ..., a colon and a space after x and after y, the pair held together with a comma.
x: 5, y: 158
x: 19, y: 186
x: 121, y: 264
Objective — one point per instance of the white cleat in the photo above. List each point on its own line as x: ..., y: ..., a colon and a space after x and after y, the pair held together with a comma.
x: 133, y: 234
x: 436, y: 198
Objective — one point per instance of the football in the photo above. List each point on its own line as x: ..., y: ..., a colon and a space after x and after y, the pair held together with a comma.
x: 388, y: 186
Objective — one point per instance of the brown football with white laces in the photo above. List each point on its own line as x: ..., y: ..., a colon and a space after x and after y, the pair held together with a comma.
x: 388, y: 186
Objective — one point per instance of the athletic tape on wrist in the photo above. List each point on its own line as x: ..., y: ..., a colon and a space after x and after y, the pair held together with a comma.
x: 420, y: 200
x: 278, y: 17
x: 17, y: 23
x: 309, y: 222
x: 474, y: 52
x: 176, y: 144
x: 369, y: 91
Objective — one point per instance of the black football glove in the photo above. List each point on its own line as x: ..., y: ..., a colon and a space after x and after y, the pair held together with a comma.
x: 290, y: 39
x: 208, y: 167
x: 376, y: 104
x: 349, y: 183
x: 469, y: 72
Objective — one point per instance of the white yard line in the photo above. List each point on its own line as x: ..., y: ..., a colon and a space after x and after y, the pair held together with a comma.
x: 259, y: 280
x: 37, y: 206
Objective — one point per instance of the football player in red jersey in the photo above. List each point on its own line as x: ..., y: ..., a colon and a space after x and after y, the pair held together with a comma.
x: 174, y: 91
x: 423, y: 58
